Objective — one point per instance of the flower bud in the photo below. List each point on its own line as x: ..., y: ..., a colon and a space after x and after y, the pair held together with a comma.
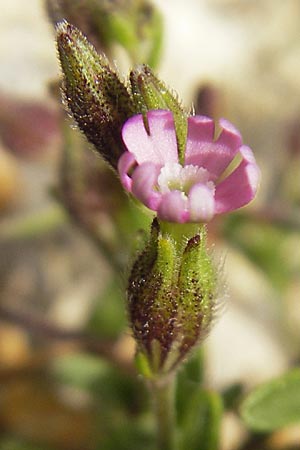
x: 151, y: 93
x: 171, y: 297
x: 96, y: 98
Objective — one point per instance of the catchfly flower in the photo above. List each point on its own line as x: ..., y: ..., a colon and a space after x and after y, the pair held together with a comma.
x: 216, y: 175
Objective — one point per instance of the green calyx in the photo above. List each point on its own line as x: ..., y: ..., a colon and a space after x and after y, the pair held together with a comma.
x: 151, y: 93
x: 197, y: 290
x: 151, y: 304
x: 93, y: 92
x: 171, y: 296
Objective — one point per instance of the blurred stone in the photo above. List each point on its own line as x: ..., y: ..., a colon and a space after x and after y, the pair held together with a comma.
x: 14, y: 346
x: 27, y: 50
x: 9, y: 180
x: 288, y: 438
x: 57, y: 276
x: 31, y: 409
x: 233, y: 432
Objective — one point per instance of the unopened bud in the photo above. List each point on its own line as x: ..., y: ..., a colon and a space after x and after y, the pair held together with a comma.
x: 93, y: 92
x: 171, y: 298
x: 151, y: 93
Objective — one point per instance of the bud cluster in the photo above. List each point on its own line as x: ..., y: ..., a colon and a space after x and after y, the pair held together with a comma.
x: 100, y: 102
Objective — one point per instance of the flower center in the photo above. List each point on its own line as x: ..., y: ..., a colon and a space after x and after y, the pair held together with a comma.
x: 175, y: 177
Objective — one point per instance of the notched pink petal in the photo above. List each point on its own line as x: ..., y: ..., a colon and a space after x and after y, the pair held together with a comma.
x: 160, y: 146
x: 201, y: 203
x: 229, y: 136
x: 173, y: 207
x: 240, y: 187
x: 144, y: 179
x: 201, y: 128
x: 199, y: 138
x: 203, y: 151
x: 126, y: 162
x: 148, y: 151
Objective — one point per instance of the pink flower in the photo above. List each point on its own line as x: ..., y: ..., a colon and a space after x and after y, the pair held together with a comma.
x: 201, y: 187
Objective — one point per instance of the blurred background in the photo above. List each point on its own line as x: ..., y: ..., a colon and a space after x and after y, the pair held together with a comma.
x: 66, y: 375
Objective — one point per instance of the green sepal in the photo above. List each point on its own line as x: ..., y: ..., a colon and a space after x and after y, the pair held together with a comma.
x: 149, y: 93
x: 142, y: 365
x: 197, y: 289
x: 151, y: 300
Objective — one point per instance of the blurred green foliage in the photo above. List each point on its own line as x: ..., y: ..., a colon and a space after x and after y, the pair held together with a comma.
x: 266, y: 244
x: 274, y: 404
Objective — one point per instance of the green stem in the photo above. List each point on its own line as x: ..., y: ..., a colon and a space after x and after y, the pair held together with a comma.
x: 164, y: 408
